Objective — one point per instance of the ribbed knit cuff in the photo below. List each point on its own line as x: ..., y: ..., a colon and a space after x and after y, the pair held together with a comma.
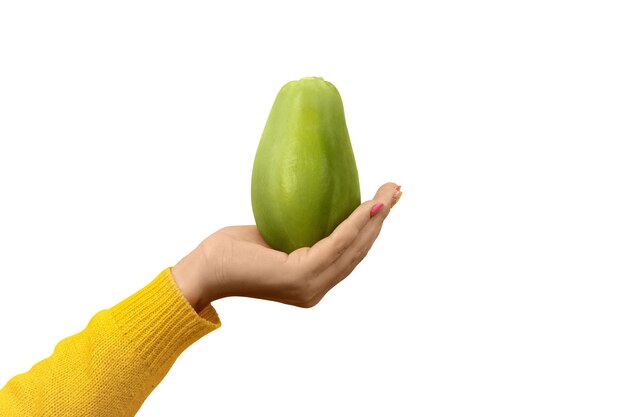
x: 160, y: 323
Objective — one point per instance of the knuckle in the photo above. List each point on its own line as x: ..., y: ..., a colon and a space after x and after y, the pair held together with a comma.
x: 343, y: 240
x: 306, y: 293
x: 341, y: 249
x: 358, y: 256
x: 353, y: 233
x: 309, y: 303
x: 301, y: 286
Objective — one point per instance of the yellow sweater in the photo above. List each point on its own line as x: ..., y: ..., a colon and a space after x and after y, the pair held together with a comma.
x: 111, y: 367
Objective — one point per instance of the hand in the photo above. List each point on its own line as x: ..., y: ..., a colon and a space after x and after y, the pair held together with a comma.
x: 236, y: 261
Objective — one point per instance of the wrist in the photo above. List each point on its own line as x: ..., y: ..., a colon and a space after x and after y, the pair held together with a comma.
x: 195, y: 275
x: 188, y: 275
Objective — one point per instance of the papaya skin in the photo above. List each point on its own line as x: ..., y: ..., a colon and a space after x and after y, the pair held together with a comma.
x: 305, y: 179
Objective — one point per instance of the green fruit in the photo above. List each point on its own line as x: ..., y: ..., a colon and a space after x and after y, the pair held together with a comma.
x: 304, y: 181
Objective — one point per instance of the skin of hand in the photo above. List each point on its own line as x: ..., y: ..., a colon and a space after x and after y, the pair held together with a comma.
x: 236, y: 261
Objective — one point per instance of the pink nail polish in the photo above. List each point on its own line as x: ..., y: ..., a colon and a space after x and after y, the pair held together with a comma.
x: 396, y: 198
x: 376, y: 209
x: 398, y: 187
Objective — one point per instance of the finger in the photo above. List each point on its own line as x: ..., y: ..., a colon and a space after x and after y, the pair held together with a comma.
x: 360, y: 247
x: 325, y: 252
x: 341, y: 269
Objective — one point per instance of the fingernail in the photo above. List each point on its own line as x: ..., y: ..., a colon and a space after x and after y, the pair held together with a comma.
x: 376, y: 209
x: 396, y: 198
x: 398, y: 187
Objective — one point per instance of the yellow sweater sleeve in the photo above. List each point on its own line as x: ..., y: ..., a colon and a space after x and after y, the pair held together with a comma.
x: 111, y: 367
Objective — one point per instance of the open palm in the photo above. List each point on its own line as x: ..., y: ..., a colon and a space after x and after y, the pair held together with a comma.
x: 236, y: 261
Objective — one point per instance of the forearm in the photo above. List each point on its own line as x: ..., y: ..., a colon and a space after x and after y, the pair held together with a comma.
x: 111, y: 367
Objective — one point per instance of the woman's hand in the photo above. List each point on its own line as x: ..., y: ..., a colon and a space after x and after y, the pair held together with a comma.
x: 236, y: 261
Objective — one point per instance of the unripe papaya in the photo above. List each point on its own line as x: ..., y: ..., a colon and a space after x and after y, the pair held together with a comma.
x: 304, y: 180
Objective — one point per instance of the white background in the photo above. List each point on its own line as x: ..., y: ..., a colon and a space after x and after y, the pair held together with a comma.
x: 497, y: 286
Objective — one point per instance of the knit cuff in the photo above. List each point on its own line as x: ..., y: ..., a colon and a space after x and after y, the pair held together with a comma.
x: 160, y: 323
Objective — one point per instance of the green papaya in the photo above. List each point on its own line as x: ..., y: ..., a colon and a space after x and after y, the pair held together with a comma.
x: 304, y: 180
